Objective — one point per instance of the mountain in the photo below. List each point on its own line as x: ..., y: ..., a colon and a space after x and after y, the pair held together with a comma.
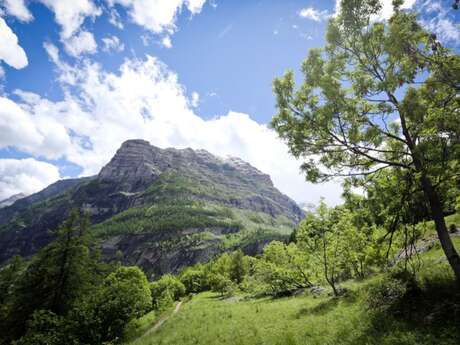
x: 161, y: 209
x: 11, y: 200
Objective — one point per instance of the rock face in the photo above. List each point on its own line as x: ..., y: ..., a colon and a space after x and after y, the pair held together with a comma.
x: 159, y: 208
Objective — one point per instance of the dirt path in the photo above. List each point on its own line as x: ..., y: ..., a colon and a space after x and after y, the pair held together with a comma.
x: 163, y: 319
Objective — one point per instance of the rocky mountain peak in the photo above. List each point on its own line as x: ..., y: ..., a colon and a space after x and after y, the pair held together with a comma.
x: 137, y: 163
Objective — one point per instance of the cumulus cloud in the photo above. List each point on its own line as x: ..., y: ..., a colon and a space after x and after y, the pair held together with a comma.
x: 81, y: 43
x: 156, y: 15
x: 314, y: 14
x: 144, y: 100
x: 42, y: 135
x: 18, y: 9
x: 166, y: 42
x: 70, y: 14
x: 195, y: 101
x: 114, y: 19
x: 10, y: 51
x: 437, y: 17
x: 112, y: 43
x: 25, y: 176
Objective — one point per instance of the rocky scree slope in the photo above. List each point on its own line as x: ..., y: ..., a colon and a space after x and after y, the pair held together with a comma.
x: 162, y: 209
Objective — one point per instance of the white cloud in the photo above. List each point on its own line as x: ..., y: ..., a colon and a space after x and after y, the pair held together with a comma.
x: 70, y: 14
x: 10, y: 51
x: 52, y: 52
x: 314, y: 14
x: 166, y: 42
x: 81, y: 43
x: 115, y: 20
x: 437, y: 18
x: 144, y: 100
x: 145, y: 40
x: 40, y: 135
x: 112, y: 43
x: 446, y: 30
x: 18, y: 9
x: 195, y: 101
x: 25, y: 176
x: 195, y: 6
x: 158, y: 16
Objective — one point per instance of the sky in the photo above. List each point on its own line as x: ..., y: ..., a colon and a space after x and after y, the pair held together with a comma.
x: 79, y: 77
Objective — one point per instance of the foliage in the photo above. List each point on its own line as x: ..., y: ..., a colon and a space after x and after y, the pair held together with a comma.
x: 46, y: 328
x: 221, y: 284
x: 124, y: 295
x: 165, y: 291
x: 60, y: 274
x: 387, y: 294
x: 379, y: 96
x: 283, y: 268
x: 64, y: 294
x: 238, y: 267
x: 194, y: 278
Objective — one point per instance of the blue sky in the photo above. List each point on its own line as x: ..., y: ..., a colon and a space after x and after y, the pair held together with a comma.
x: 78, y: 77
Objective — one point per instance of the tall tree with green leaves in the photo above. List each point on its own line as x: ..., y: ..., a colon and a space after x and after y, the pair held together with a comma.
x: 379, y: 95
x: 57, y: 276
x: 325, y: 236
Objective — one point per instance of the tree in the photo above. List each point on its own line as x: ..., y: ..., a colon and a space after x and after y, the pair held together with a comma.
x: 380, y: 95
x: 284, y: 268
x: 221, y: 284
x: 238, y: 267
x: 168, y: 286
x: 195, y: 278
x: 47, y: 328
x: 9, y: 276
x: 324, y: 236
x: 123, y: 296
x: 58, y: 275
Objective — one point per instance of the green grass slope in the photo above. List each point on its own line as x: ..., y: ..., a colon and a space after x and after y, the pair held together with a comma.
x: 428, y: 318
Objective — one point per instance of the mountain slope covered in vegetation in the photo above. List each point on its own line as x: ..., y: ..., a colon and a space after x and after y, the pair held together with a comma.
x: 159, y: 209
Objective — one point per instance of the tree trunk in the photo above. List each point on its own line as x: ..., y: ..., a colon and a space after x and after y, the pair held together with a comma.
x: 432, y: 196
x: 444, y: 238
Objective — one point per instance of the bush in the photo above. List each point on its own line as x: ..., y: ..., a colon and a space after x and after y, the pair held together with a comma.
x: 164, y: 301
x: 392, y: 292
x: 166, y: 290
x: 221, y: 284
x: 194, y: 279
x: 46, y: 328
x: 124, y: 296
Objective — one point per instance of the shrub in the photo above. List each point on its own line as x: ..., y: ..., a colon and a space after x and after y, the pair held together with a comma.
x: 124, y: 296
x: 194, y: 279
x: 392, y: 292
x: 46, y: 328
x: 221, y: 284
x: 168, y: 288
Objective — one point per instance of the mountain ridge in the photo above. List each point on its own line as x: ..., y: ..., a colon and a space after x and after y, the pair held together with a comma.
x: 147, y: 199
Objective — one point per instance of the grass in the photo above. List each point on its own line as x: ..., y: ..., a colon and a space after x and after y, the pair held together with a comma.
x: 430, y: 318
x: 137, y: 328
x: 208, y: 320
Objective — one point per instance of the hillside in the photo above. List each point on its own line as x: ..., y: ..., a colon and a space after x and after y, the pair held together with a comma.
x: 159, y: 209
x: 317, y: 319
